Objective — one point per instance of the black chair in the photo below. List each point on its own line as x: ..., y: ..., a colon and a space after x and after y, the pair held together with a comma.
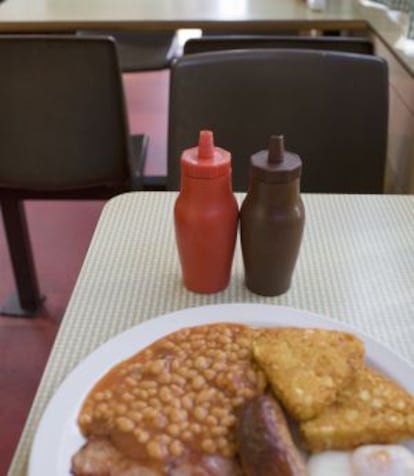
x: 142, y: 50
x: 331, y: 107
x: 63, y: 135
x: 203, y: 44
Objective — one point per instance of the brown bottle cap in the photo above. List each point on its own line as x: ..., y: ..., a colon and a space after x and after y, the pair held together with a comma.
x: 275, y: 165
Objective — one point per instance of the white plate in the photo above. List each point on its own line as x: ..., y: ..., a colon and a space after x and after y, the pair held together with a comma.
x: 58, y: 438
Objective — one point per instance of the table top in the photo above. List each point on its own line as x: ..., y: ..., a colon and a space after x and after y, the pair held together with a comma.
x: 356, y: 265
x: 167, y: 10
x: 67, y: 15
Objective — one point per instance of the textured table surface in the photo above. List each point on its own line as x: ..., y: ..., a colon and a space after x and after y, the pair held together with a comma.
x: 356, y: 265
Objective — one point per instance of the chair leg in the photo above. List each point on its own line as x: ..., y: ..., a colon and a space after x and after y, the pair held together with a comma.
x: 28, y: 298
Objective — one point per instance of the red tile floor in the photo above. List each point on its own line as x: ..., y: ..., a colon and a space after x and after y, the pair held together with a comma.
x: 60, y: 233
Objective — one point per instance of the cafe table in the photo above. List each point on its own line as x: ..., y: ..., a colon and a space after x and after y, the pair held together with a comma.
x: 356, y: 265
x: 57, y: 16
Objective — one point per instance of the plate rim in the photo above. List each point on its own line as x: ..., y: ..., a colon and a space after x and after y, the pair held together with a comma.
x: 377, y: 353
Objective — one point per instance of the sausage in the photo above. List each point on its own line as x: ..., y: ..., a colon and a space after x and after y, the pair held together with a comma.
x: 265, y: 445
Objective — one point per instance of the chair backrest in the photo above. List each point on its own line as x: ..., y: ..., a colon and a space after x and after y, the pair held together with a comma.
x: 142, y: 50
x: 361, y: 45
x: 63, y: 119
x: 331, y: 107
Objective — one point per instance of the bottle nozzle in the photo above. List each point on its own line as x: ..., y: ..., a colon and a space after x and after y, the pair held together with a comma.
x: 276, y: 149
x: 206, y: 145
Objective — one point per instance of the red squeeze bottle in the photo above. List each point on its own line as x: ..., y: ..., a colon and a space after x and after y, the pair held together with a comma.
x: 206, y: 217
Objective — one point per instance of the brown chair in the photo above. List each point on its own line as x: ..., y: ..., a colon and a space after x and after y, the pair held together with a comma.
x: 331, y: 107
x: 360, y: 45
x: 64, y: 135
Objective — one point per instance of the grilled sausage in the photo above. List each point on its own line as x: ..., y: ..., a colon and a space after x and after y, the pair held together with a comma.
x: 266, y: 447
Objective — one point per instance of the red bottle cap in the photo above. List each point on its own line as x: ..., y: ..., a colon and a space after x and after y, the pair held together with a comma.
x: 205, y: 160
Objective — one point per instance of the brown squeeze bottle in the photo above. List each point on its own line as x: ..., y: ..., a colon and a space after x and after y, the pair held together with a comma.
x: 272, y: 219
x: 206, y: 217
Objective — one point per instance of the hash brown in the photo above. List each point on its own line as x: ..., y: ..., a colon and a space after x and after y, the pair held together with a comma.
x: 374, y: 409
x: 307, y: 367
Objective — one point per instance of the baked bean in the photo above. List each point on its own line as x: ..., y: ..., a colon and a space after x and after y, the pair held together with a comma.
x: 212, y: 420
x: 208, y: 445
x: 200, y: 413
x: 146, y: 384
x: 176, y: 389
x: 218, y: 412
x: 205, y: 395
x: 155, y: 450
x: 221, y: 442
x: 175, y: 365
x: 243, y: 353
x: 209, y: 374
x: 167, y: 345
x: 108, y: 394
x: 121, y: 409
x: 165, y: 394
x: 138, y: 405
x: 85, y: 419
x: 128, y: 397
x: 178, y: 416
x: 148, y: 354
x: 103, y: 408
x: 163, y: 438
x: 187, y: 402
x: 229, y: 420
x: 198, y: 382
x: 143, y: 437
x: 178, y: 379
x: 160, y: 421
x: 149, y: 412
x: 143, y: 394
x: 176, y: 448
x: 186, y: 435
x: 155, y: 403
x: 125, y: 424
x: 164, y: 377
x: 173, y: 429
x: 135, y: 416
x: 219, y: 430
x: 195, y: 428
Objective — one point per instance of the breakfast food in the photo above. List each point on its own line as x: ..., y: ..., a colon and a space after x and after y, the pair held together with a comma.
x: 177, y: 397
x: 307, y: 367
x: 370, y: 460
x: 383, y: 460
x: 373, y: 409
x: 330, y: 463
x: 99, y: 457
x: 210, y: 401
x: 264, y: 440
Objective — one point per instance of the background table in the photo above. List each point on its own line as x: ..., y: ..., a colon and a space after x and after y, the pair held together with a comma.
x: 356, y: 265
x: 70, y: 15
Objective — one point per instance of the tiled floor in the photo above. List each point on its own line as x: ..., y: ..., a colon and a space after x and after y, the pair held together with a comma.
x: 60, y: 233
